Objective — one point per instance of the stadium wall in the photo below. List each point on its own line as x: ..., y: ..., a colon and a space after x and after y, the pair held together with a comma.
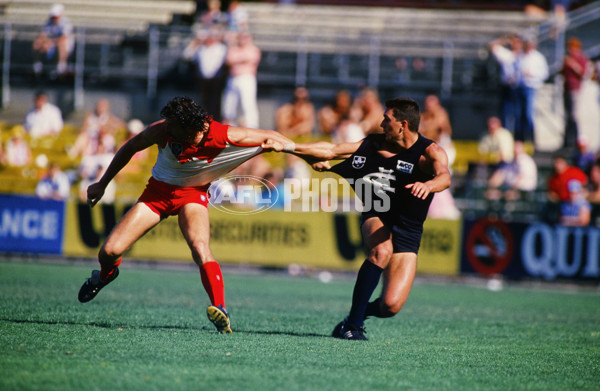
x: 488, y: 247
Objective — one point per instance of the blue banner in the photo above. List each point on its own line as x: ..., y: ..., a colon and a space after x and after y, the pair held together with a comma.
x: 31, y: 225
x: 524, y: 250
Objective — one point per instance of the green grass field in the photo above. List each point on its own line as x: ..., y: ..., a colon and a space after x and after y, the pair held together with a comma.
x: 148, y: 331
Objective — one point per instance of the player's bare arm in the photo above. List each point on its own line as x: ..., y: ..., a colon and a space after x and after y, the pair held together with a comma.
x: 143, y: 140
x: 268, y: 139
x: 323, y: 150
x: 318, y: 153
x: 435, y: 160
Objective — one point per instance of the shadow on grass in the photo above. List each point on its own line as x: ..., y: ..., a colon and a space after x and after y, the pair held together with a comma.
x: 108, y: 325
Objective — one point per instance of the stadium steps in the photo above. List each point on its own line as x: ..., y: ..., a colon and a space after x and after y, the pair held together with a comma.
x: 331, y: 29
x: 119, y: 14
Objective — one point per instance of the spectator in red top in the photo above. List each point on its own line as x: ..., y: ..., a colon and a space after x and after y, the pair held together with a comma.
x: 558, y: 188
x: 575, y: 66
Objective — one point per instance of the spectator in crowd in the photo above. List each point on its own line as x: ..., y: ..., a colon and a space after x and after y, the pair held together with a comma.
x: 134, y: 127
x: 213, y: 16
x: 208, y: 53
x: 594, y: 185
x: 243, y: 57
x: 435, y: 121
x: 44, y: 118
x: 275, y: 191
x: 558, y: 184
x: 510, y: 179
x: 498, y: 145
x: 576, y: 211
x: 349, y: 129
x: 99, y: 127
x: 91, y: 169
x: 330, y: 116
x: 574, y: 68
x: 435, y: 125
x: 18, y: 153
x: 443, y: 206
x: 297, y: 173
x: 237, y: 16
x: 370, y: 110
x: 533, y: 72
x: 296, y: 168
x: 584, y: 158
x: 2, y: 154
x: 54, y: 185
x: 297, y: 118
x: 56, y: 37
x: 507, y: 51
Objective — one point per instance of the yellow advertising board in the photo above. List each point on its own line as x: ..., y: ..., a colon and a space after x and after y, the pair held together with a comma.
x: 271, y: 238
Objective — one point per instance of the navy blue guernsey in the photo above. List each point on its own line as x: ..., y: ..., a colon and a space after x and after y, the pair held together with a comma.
x: 389, y: 175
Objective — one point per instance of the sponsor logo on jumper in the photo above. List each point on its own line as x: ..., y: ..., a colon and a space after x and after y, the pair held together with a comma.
x: 406, y: 167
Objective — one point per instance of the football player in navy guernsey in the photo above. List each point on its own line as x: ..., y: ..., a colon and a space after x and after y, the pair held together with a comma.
x: 403, y: 169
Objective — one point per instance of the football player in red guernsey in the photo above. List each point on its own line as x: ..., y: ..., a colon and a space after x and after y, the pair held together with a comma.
x: 193, y: 150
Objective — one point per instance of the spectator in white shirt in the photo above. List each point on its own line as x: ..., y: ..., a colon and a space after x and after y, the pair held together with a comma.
x: 44, y: 118
x: 208, y: 53
x: 18, y: 153
x: 55, y: 185
x: 534, y: 71
x: 512, y: 178
x: 498, y: 145
x: 507, y: 51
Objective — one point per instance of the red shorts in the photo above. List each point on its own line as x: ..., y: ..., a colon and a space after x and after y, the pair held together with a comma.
x: 166, y: 200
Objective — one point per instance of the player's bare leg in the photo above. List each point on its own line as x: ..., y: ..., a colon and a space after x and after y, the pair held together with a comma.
x: 195, y: 226
x: 378, y: 239
x: 132, y: 226
x: 398, y: 278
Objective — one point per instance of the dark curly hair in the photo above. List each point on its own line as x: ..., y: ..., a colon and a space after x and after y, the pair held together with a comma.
x: 186, y: 112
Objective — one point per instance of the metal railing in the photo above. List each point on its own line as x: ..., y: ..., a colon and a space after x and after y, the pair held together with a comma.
x: 329, y: 59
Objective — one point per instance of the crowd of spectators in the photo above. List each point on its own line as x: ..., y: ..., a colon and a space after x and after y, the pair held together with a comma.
x: 226, y: 60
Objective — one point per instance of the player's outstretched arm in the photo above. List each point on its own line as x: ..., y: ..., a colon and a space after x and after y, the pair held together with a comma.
x: 323, y: 150
x: 442, y: 179
x: 139, y: 142
x: 268, y: 139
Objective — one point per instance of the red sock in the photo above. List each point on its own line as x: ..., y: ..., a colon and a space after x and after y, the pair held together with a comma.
x: 212, y: 279
x: 107, y: 269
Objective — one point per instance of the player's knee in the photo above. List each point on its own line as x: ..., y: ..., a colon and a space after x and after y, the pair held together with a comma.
x: 108, y: 252
x: 201, y: 251
x: 390, y: 308
x: 381, y: 255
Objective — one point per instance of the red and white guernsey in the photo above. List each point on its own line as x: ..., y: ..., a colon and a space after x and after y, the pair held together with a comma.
x: 199, y: 165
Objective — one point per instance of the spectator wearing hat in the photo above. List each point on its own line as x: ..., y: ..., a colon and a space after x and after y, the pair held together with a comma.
x: 56, y: 37
x: 574, y: 68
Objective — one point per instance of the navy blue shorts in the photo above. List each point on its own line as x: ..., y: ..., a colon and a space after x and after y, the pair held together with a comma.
x: 406, y: 234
